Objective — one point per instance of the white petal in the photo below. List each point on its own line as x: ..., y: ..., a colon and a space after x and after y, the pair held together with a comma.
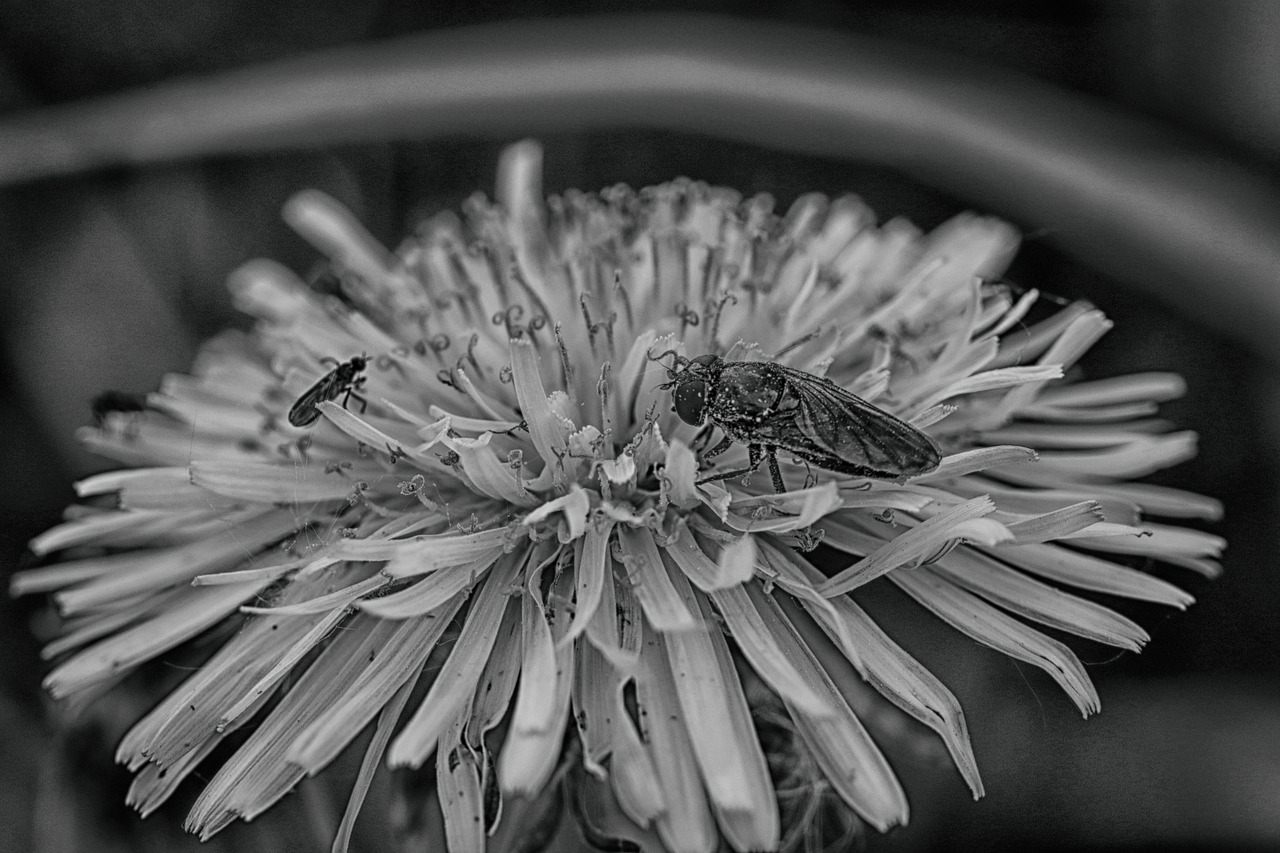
x: 839, y: 743
x: 753, y: 624
x: 592, y: 571
x: 387, y: 718
x: 650, y: 582
x: 491, y: 476
x: 458, y: 783
x: 454, y: 686
x: 715, y: 714
x: 532, y: 747
x: 1093, y: 573
x: 428, y: 593
x: 198, y: 610
x: 1032, y: 599
x: 908, y: 548
x: 987, y: 625
x: 686, y: 826
x: 403, y: 656
x: 545, y: 427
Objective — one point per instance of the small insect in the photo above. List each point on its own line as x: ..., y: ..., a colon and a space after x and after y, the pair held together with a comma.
x: 116, y: 401
x: 770, y: 407
x: 343, y: 381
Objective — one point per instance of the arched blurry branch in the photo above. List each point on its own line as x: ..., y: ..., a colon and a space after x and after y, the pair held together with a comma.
x: 1124, y: 195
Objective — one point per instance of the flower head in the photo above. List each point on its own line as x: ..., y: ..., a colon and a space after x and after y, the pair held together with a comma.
x: 480, y: 430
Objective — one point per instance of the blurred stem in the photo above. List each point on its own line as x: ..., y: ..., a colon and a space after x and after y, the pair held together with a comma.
x: 1126, y: 196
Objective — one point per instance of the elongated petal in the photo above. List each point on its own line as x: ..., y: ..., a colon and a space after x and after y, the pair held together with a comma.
x: 257, y: 775
x: 497, y: 683
x: 198, y: 611
x: 119, y: 529
x: 592, y: 571
x: 336, y: 600
x: 545, y: 427
x: 461, y: 800
x: 537, y: 724
x: 435, y: 553
x: 1056, y: 524
x: 711, y: 697
x: 119, y: 576
x: 495, y: 478
x: 387, y: 718
x: 898, y: 676
x: 454, y: 686
x: 686, y: 825
x: 680, y: 472
x: 808, y: 506
x: 429, y: 593
x: 911, y: 547
x: 1032, y: 599
x: 662, y: 604
x: 992, y: 628
x: 573, y: 506
x: 293, y: 654
x: 406, y: 652
x: 752, y: 629
x: 248, y: 481
x: 1093, y: 573
x: 839, y: 743
x: 979, y: 459
x: 636, y: 780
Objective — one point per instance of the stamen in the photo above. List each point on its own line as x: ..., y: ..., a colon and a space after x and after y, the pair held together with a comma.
x: 586, y: 319
x: 510, y: 318
x: 688, y: 318
x: 725, y: 299
x: 620, y: 294
x: 438, y: 345
x: 608, y: 331
x: 602, y: 391
x: 565, y: 365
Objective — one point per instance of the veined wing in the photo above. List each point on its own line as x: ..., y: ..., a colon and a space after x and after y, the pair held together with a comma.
x: 869, y: 440
x: 304, y: 411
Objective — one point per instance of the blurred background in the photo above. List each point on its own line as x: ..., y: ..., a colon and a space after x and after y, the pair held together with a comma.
x: 111, y: 278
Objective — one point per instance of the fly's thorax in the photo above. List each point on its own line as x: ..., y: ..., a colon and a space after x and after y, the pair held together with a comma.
x: 748, y: 392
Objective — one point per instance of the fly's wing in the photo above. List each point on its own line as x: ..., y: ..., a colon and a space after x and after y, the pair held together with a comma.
x: 304, y: 411
x: 868, y: 441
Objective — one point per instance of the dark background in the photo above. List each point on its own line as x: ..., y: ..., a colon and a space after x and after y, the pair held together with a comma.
x: 111, y: 279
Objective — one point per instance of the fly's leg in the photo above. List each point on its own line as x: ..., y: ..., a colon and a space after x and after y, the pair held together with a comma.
x: 364, y: 404
x: 351, y: 392
x: 724, y: 445
x: 775, y: 472
x: 755, y: 455
x: 703, y: 438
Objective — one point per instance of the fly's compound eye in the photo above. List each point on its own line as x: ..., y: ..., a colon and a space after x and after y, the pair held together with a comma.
x: 691, y: 401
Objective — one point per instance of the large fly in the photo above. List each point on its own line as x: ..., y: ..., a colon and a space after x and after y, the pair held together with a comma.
x: 771, y: 407
x: 344, y: 380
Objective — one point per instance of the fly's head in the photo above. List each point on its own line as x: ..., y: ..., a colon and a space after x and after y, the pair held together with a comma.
x: 692, y: 381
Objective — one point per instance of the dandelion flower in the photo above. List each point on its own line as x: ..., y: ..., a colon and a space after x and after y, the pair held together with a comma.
x: 487, y: 442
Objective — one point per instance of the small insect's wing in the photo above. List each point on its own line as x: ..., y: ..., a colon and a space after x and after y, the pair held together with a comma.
x: 304, y: 411
x: 868, y: 440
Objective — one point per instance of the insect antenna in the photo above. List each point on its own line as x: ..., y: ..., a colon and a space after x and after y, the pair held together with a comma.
x: 678, y: 362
